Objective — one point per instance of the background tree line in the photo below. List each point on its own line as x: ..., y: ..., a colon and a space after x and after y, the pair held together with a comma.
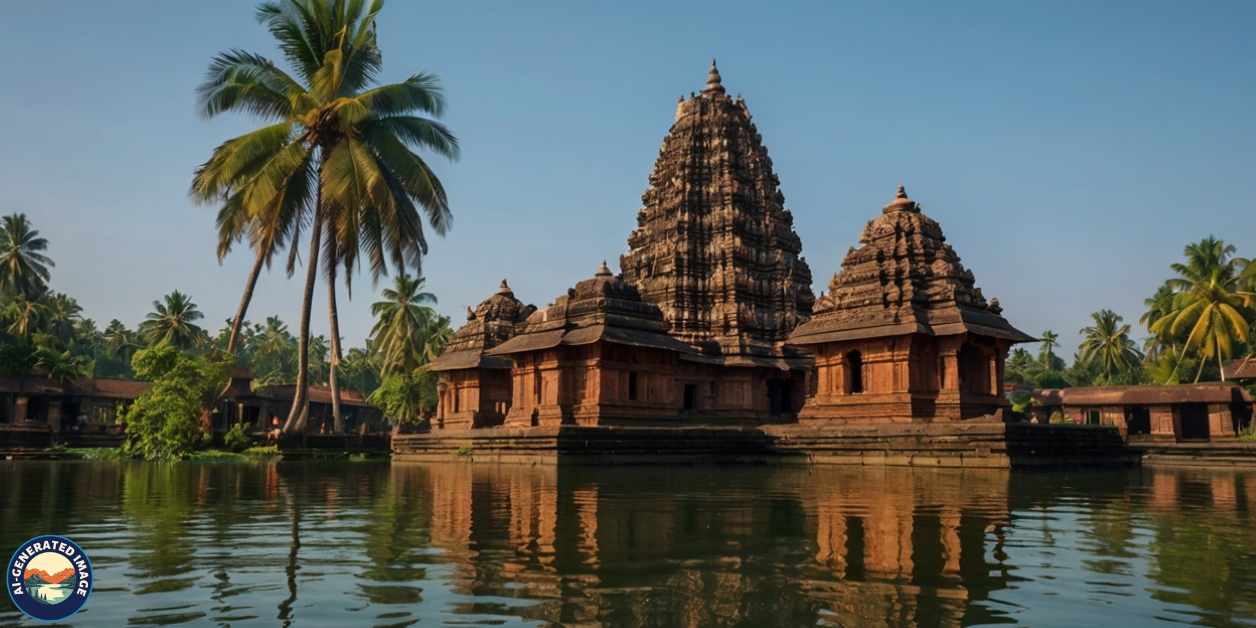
x: 1197, y: 320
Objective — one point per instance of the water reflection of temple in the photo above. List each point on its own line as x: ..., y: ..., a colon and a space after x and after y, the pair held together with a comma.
x: 785, y: 547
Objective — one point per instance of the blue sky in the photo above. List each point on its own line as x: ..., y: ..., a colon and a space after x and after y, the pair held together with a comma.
x: 1068, y: 149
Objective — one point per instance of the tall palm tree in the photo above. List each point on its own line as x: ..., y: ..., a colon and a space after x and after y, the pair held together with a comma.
x: 171, y: 322
x: 23, y: 266
x: 403, y: 318
x: 336, y: 157
x: 1108, y: 344
x: 1046, y: 354
x: 1211, y: 293
x: 1158, y: 306
x: 121, y: 342
x: 274, y: 352
x: 64, y: 314
x: 26, y: 315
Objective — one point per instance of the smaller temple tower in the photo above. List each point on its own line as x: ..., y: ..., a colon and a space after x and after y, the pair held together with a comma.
x: 474, y: 388
x: 904, y: 334
x: 598, y: 356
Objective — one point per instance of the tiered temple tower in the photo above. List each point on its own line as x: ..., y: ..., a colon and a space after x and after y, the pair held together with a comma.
x: 715, y: 248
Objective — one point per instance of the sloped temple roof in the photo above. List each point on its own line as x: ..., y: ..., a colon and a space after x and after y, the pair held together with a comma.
x: 904, y: 279
x: 493, y: 322
x: 604, y: 308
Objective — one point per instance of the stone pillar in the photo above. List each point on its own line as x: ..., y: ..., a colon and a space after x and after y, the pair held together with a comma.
x: 19, y: 409
x: 950, y: 370
x: 994, y: 373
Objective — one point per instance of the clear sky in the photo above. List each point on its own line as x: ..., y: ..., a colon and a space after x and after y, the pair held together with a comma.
x: 1068, y: 149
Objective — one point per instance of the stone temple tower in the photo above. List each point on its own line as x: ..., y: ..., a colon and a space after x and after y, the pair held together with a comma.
x: 715, y: 248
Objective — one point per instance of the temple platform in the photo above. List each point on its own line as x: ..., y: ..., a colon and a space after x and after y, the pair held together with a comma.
x: 967, y: 444
x: 1196, y: 454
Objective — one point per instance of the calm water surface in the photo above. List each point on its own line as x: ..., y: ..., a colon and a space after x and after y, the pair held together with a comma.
x: 379, y: 544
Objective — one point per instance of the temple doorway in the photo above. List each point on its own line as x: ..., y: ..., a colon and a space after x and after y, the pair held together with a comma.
x: 780, y: 396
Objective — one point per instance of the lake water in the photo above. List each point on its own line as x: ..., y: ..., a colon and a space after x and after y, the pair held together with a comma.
x: 379, y: 544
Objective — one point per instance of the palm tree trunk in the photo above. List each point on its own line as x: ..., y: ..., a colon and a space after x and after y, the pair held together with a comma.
x: 1202, y: 361
x: 296, y: 420
x: 1220, y: 368
x: 333, y: 378
x: 244, y: 301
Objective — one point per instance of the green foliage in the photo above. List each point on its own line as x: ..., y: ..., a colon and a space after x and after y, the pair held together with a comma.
x: 237, y: 439
x: 171, y: 322
x: 164, y: 423
x: 23, y: 266
x: 406, y: 396
x: 408, y: 333
x: 463, y: 451
x: 1206, y: 309
x: 1107, y: 346
x: 268, y: 450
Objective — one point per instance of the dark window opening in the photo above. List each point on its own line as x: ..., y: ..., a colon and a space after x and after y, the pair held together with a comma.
x: 691, y: 391
x: 1194, y: 421
x: 1137, y: 421
x: 632, y: 386
x: 854, y: 362
x: 1092, y: 417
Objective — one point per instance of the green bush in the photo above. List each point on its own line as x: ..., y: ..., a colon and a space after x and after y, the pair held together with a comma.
x: 165, y: 422
x: 406, y: 396
x: 237, y: 438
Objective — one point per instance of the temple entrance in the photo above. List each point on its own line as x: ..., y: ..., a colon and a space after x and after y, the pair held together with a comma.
x: 1194, y: 421
x: 780, y: 396
x: 690, y: 392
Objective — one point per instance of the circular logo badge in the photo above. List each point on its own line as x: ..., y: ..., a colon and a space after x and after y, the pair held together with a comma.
x: 49, y: 577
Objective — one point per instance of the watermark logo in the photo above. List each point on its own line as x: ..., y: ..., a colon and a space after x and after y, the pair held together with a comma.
x: 49, y: 578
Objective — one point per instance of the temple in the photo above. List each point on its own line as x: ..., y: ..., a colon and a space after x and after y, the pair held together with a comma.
x: 904, y: 334
x: 474, y: 388
x: 711, y: 321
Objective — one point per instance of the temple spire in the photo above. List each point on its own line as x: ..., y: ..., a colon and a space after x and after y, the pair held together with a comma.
x: 900, y: 202
x: 504, y: 289
x: 604, y: 271
x: 713, y: 81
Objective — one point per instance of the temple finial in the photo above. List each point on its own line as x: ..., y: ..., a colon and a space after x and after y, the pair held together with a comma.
x: 604, y: 271
x: 901, y: 202
x: 503, y: 289
x: 713, y: 81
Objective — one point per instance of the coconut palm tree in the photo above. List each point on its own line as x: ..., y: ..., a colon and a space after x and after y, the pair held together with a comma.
x: 274, y: 352
x: 26, y: 315
x: 1211, y: 294
x: 1107, y: 343
x: 1158, y: 306
x: 171, y: 323
x: 23, y: 266
x: 64, y: 314
x: 1046, y: 354
x: 403, y: 317
x: 336, y: 157
x: 121, y: 342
